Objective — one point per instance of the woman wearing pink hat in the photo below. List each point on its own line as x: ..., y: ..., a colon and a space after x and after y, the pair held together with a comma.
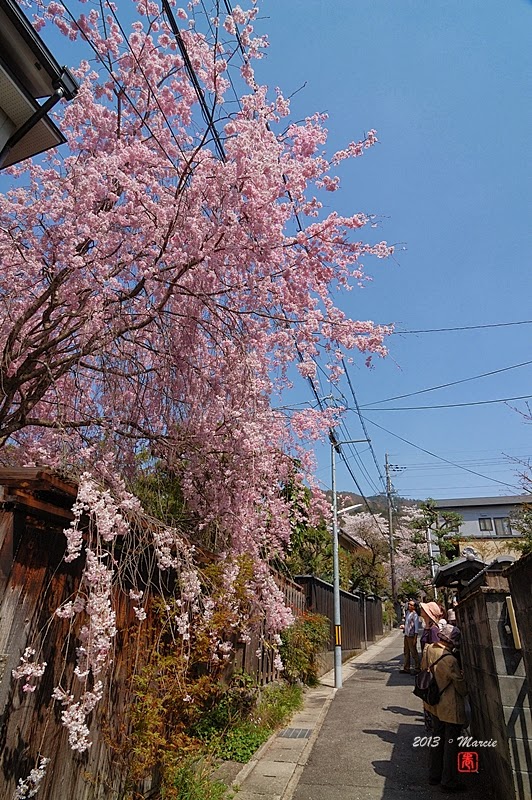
x: 432, y: 615
x: 448, y: 716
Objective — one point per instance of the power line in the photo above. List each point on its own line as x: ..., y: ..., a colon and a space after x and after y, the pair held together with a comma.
x: 440, y: 458
x: 366, y: 434
x: 466, y: 327
x: 337, y: 446
x: 479, y: 462
x: 361, y: 493
x: 121, y: 89
x: 445, y: 385
x: 358, y: 458
x: 207, y: 114
x: 452, y: 405
x: 426, y: 490
x: 352, y: 447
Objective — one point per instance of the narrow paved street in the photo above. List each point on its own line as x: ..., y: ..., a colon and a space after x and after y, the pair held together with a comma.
x: 365, y: 747
x: 355, y: 743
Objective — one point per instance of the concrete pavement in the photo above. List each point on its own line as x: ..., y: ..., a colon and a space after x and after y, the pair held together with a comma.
x: 354, y: 743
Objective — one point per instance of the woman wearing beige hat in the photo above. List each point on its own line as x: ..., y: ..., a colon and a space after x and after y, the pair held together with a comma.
x: 431, y: 614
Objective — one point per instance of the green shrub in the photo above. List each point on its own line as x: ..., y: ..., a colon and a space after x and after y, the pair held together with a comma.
x: 301, y: 644
x: 227, y: 708
x: 244, y: 735
x: 277, y: 704
x: 191, y: 781
x: 240, y: 742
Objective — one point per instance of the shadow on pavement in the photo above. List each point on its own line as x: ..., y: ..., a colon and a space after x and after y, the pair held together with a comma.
x: 406, y: 771
x: 404, y: 712
x: 372, y: 744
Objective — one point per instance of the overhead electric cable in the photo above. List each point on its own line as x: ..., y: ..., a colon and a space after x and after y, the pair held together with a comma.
x: 214, y: 34
x: 337, y: 445
x: 207, y: 114
x: 364, y: 498
x: 440, y: 458
x: 467, y: 327
x: 351, y: 446
x: 238, y: 38
x: 366, y: 434
x: 445, y: 385
x: 452, y: 405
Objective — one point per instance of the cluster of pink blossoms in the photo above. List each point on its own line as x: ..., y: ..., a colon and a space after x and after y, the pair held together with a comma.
x: 29, y: 786
x: 29, y: 669
x: 74, y: 717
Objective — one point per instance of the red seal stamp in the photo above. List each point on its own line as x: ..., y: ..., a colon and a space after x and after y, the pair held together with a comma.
x: 468, y: 761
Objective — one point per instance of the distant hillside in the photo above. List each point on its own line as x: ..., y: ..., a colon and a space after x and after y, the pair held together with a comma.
x: 377, y: 503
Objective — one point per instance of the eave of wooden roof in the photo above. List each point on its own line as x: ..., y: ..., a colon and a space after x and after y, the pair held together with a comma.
x: 34, y: 479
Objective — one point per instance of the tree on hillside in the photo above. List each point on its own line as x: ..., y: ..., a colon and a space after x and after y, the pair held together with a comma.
x: 522, y: 523
x: 368, y: 564
x: 412, y: 571
x: 158, y: 280
x: 437, y: 526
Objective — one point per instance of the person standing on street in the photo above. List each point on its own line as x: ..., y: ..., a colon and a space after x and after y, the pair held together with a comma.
x: 448, y: 717
x: 431, y: 614
x: 410, y: 628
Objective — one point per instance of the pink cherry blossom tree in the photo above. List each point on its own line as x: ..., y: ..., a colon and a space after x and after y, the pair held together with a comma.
x: 159, y: 277
x: 371, y: 564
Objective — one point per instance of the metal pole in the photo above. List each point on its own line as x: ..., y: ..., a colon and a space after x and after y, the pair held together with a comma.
x: 431, y: 560
x: 365, y: 623
x: 335, y: 447
x: 390, y: 530
x: 336, y: 574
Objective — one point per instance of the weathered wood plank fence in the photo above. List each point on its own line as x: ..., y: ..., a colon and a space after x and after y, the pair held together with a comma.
x: 34, y: 582
x: 256, y: 657
x: 361, y: 614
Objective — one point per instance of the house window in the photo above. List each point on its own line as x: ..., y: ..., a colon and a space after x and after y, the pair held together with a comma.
x: 485, y: 524
x: 502, y: 526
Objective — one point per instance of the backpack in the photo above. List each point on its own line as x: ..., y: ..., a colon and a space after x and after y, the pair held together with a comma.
x: 426, y: 687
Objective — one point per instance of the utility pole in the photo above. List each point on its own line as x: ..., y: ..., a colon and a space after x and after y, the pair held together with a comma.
x: 335, y: 448
x: 431, y: 561
x: 389, y: 490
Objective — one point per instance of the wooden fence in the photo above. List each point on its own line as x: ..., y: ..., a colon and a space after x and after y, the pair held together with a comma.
x: 34, y: 581
x: 361, y: 615
x: 257, y: 656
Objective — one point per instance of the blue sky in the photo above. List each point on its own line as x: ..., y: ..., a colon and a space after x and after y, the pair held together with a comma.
x: 448, y: 86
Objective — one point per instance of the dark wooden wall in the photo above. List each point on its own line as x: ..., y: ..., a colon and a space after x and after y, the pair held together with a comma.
x: 38, y: 582
x: 34, y: 581
x: 361, y: 615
